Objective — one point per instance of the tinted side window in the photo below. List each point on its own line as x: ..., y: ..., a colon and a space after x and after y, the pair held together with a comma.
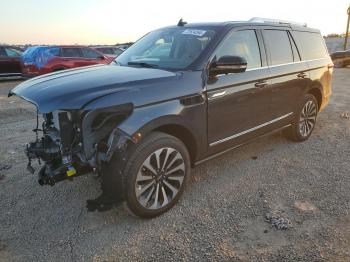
x: 105, y: 50
x: 55, y: 51
x: 278, y: 45
x: 12, y: 52
x: 242, y: 43
x: 2, y: 52
x: 70, y: 52
x: 311, y: 45
x: 117, y: 51
x: 88, y: 53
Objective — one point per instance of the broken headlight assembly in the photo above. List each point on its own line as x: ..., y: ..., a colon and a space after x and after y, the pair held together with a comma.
x: 59, y: 147
x: 75, y: 142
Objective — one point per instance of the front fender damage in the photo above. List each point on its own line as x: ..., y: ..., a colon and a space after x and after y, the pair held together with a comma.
x: 101, y: 133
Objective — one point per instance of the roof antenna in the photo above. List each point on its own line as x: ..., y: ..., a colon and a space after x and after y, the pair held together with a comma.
x: 181, y: 23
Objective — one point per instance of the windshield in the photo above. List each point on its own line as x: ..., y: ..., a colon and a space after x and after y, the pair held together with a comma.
x: 172, y: 48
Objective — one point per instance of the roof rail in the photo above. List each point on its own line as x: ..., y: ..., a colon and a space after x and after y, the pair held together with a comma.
x: 277, y: 21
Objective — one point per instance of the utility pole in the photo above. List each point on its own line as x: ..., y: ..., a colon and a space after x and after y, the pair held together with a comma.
x: 347, y: 29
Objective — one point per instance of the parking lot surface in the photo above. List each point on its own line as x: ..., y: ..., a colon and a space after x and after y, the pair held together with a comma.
x: 222, y: 215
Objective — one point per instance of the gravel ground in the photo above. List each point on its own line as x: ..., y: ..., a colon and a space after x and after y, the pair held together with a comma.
x: 220, y: 217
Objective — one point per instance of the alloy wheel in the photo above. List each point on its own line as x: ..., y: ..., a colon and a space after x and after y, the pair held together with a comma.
x: 160, y: 178
x: 307, y: 119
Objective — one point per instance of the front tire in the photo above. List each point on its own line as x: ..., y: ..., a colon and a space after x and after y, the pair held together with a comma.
x: 305, y: 120
x: 155, y: 175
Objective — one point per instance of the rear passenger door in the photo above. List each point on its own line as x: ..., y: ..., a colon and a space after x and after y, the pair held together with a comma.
x: 289, y: 75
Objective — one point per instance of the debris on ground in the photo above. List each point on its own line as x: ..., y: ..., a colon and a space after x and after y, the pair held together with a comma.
x: 2, y: 246
x: 305, y: 206
x: 254, y: 157
x: 277, y: 221
x: 345, y: 115
x: 4, y: 167
x: 2, y: 177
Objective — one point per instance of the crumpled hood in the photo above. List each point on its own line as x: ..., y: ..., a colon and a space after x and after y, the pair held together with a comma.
x: 72, y: 89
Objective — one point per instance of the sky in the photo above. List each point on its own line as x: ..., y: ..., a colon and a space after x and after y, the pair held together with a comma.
x: 114, y: 21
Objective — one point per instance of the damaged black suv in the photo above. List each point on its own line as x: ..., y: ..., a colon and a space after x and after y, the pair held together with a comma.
x: 177, y: 97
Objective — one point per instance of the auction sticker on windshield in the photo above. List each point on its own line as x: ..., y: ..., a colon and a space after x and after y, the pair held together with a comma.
x: 194, y: 32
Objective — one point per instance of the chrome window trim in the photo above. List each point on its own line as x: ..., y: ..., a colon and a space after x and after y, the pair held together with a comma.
x: 249, y: 130
x: 291, y: 63
x: 236, y: 146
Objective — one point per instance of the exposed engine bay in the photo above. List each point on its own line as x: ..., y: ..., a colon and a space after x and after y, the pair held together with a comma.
x: 73, y: 143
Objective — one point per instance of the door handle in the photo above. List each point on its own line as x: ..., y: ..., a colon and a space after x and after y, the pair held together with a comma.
x: 302, y: 75
x: 219, y: 94
x: 261, y: 84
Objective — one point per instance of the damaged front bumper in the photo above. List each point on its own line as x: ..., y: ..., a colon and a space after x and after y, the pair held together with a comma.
x: 73, y: 143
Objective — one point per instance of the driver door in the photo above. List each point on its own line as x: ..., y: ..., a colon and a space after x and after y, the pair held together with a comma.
x: 238, y: 103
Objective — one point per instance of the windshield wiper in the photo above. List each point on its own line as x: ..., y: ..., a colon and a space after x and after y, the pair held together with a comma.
x: 143, y: 64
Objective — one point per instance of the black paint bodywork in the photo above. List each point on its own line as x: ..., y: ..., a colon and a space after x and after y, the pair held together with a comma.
x: 184, y: 103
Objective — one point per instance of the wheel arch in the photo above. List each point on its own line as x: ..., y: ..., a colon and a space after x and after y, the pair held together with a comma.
x: 172, y: 125
x: 184, y: 135
x: 316, y: 90
x: 173, y: 118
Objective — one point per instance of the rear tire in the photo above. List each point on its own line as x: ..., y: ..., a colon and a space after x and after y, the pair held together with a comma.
x: 305, y: 120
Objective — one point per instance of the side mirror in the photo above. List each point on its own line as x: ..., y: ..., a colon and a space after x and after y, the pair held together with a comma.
x: 227, y: 65
x: 102, y: 57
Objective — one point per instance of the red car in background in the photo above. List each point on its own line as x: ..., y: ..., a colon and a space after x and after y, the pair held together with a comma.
x: 10, y: 61
x: 41, y: 60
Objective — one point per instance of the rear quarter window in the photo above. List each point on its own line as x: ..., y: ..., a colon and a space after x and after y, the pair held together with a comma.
x: 311, y: 45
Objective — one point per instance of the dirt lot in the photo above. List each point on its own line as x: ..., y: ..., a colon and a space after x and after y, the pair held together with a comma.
x: 220, y: 217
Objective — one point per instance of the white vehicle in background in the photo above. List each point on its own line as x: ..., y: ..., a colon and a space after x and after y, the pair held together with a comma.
x: 111, y: 51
